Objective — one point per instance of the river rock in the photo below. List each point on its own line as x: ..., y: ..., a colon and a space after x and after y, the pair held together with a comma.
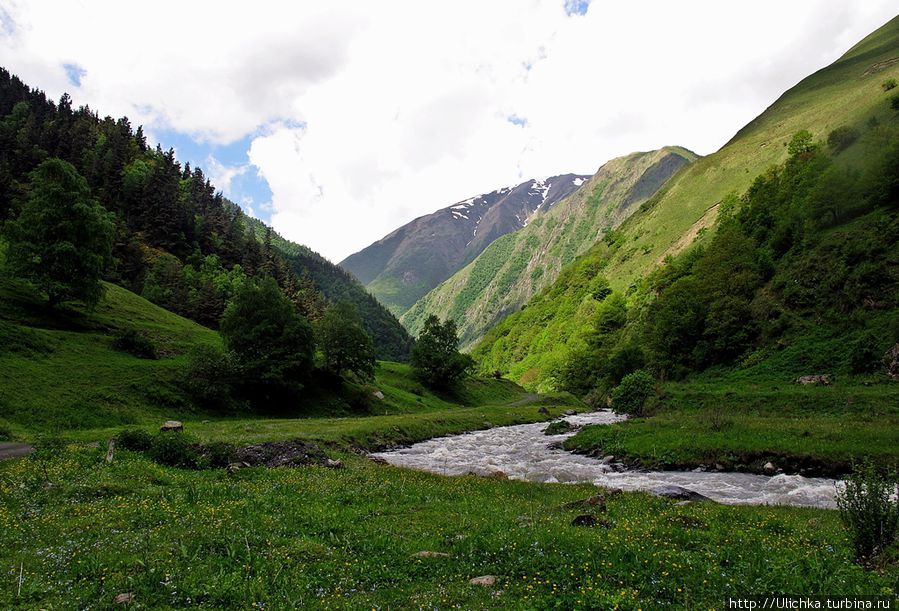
x: 570, y: 412
x: 124, y: 598
x: 679, y: 493
x: 429, y: 554
x: 172, y: 425
x: 597, y: 501
x: 814, y: 380
x: 483, y: 580
x: 891, y: 361
x: 769, y: 467
x: 378, y: 460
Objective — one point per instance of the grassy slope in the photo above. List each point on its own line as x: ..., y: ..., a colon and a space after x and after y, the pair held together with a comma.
x: 62, y: 372
x: 848, y: 92
x: 517, y: 266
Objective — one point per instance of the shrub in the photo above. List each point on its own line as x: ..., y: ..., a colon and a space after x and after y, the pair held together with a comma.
x: 136, y: 440
x: 868, y: 511
x: 632, y: 395
x: 894, y: 102
x: 865, y: 356
x: 888, y: 84
x: 177, y: 450
x: 842, y: 138
x: 135, y: 343
x: 210, y: 376
x: 5, y: 432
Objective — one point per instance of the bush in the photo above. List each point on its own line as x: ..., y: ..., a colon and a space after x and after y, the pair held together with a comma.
x: 176, y: 450
x: 842, y: 138
x: 868, y: 511
x: 631, y: 396
x: 135, y: 343
x: 136, y: 440
x: 865, y: 356
x: 5, y: 432
x: 210, y: 376
x: 894, y: 102
x: 888, y: 84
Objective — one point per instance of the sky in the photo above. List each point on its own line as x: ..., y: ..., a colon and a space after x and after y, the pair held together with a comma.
x: 337, y: 122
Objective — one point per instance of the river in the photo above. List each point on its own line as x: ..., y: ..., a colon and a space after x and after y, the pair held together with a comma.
x: 525, y: 452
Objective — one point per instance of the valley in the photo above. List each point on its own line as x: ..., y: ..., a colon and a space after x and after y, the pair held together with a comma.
x: 659, y: 386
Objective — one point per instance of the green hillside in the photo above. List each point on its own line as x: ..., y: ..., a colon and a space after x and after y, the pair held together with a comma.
x: 532, y: 345
x: 518, y: 265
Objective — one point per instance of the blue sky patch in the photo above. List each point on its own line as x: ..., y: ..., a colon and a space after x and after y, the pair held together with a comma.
x: 516, y: 120
x: 74, y: 73
x: 247, y: 188
x: 576, y: 7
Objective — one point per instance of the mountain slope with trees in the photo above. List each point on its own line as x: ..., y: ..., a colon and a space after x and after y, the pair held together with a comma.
x: 404, y: 265
x: 829, y: 141
x: 175, y: 240
x: 518, y: 265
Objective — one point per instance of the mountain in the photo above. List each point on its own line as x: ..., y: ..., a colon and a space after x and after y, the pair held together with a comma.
x: 179, y: 242
x: 673, y: 228
x: 404, y: 265
x: 518, y: 265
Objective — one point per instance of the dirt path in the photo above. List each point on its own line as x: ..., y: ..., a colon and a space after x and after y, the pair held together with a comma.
x: 13, y: 450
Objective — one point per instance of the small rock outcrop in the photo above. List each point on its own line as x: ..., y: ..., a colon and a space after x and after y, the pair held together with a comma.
x: 678, y: 493
x: 891, y: 362
x: 283, y: 454
x: 172, y: 425
x: 814, y: 380
x: 429, y: 554
x: 483, y: 580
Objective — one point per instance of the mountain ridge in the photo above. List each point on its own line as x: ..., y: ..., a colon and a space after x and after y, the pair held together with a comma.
x: 405, y: 264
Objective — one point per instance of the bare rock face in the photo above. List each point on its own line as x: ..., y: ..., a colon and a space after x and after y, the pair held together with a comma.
x: 814, y: 380
x: 172, y: 425
x: 891, y: 362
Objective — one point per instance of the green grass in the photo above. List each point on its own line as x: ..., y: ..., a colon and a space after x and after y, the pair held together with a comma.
x: 311, y: 537
x: 743, y: 425
x: 66, y: 374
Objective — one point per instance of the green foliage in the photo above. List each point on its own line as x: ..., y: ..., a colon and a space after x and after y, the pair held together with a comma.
x: 866, y: 354
x: 137, y: 440
x: 272, y: 344
x: 842, y: 138
x: 888, y: 84
x: 634, y: 392
x: 135, y: 343
x: 62, y: 240
x: 868, y: 510
x: 894, y: 102
x: 211, y: 377
x: 801, y: 142
x: 436, y: 359
x: 176, y: 449
x: 346, y: 346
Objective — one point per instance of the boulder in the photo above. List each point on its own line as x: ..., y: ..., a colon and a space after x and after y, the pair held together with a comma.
x: 333, y: 464
x: 378, y: 395
x: 584, y: 520
x: 543, y: 411
x: 678, y: 493
x: 378, y: 460
x: 769, y: 468
x: 570, y: 412
x: 483, y: 580
x: 891, y: 362
x: 172, y: 425
x: 124, y: 598
x: 814, y: 380
x: 234, y: 467
x: 597, y: 502
x: 499, y: 475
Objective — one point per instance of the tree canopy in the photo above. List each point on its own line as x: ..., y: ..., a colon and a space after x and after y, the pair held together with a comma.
x: 62, y: 240
x: 436, y: 359
x: 345, y: 345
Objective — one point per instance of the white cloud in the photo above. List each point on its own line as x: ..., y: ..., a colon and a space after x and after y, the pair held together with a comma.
x: 374, y: 113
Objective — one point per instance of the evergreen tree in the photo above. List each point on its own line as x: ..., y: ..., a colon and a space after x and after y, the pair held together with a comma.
x: 62, y: 240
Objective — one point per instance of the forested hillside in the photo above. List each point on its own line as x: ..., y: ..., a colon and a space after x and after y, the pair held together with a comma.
x: 789, y: 267
x: 518, y: 265
x: 177, y: 241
